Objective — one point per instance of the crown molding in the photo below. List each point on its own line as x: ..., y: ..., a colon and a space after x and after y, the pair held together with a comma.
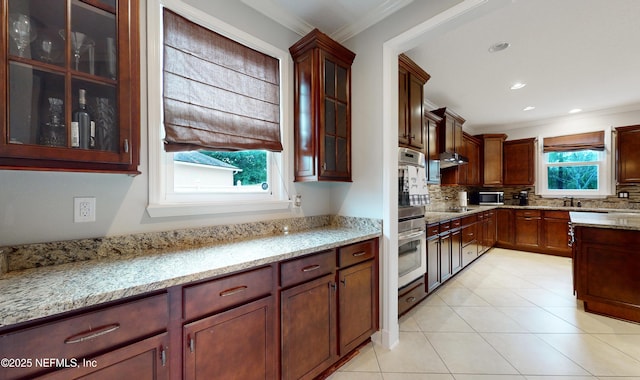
x: 280, y: 15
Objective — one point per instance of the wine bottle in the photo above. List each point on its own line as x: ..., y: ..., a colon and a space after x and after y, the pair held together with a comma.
x: 81, y: 124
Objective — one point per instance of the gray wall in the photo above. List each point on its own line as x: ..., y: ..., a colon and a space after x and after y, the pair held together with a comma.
x: 38, y: 206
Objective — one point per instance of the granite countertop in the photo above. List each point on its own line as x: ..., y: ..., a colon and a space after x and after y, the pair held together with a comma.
x: 39, y: 292
x: 613, y: 220
x: 442, y: 215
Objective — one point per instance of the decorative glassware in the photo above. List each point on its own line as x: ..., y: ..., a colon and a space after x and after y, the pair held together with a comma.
x: 54, y: 132
x: 21, y: 31
x: 80, y: 43
x: 105, y: 118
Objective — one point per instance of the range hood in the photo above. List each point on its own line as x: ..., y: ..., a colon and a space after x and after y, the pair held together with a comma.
x: 448, y: 159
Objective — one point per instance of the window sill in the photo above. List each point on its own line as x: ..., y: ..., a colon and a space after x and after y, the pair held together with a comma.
x: 188, y: 209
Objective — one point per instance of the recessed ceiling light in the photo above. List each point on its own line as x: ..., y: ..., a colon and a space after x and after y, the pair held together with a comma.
x: 528, y: 108
x: 575, y: 110
x: 498, y: 46
x: 518, y: 85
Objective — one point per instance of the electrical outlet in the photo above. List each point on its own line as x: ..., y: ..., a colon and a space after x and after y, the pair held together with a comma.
x: 623, y: 194
x: 84, y: 210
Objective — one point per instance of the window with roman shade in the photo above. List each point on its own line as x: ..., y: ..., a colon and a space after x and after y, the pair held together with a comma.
x: 576, y: 165
x: 218, y: 94
x: 572, y: 143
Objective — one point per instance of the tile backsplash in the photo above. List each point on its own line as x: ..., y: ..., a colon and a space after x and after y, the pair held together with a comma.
x: 444, y: 197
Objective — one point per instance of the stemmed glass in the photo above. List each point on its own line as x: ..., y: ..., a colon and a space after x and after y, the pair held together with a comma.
x: 79, y: 43
x: 21, y: 32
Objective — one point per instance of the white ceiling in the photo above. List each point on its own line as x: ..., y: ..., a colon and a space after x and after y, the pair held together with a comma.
x: 571, y: 53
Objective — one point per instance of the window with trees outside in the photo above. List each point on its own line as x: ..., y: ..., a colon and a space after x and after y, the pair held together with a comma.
x: 575, y: 165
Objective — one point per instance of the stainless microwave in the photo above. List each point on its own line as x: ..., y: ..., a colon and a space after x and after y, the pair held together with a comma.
x: 491, y: 198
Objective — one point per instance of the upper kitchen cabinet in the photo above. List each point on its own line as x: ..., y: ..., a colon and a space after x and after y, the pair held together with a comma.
x: 430, y: 124
x: 450, y: 134
x: 519, y: 162
x: 628, y: 154
x: 322, y: 106
x: 411, y: 81
x: 492, y: 159
x: 70, y: 90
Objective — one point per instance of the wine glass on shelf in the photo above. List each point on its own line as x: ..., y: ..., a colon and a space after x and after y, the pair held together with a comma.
x: 21, y: 31
x: 80, y: 43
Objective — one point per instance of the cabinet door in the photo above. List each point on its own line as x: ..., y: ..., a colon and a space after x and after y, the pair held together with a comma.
x: 236, y: 344
x: 416, y: 134
x: 433, y: 263
x: 456, y: 251
x: 403, y: 107
x: 556, y: 232
x: 519, y: 162
x: 492, y: 153
x: 628, y: 154
x: 358, y: 305
x: 146, y: 359
x: 504, y: 227
x: 527, y: 231
x: 446, y: 243
x: 335, y: 142
x: 58, y: 50
x: 308, y: 328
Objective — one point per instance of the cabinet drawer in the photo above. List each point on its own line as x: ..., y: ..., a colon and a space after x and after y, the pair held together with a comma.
x: 468, y: 234
x: 455, y: 223
x: 306, y: 268
x: 445, y: 226
x: 433, y: 230
x: 411, y: 295
x: 467, y: 220
x: 355, y: 253
x: 222, y: 293
x: 528, y: 213
x: 86, y: 334
x: 557, y: 214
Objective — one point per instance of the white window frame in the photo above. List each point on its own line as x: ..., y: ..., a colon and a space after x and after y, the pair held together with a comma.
x: 605, y: 177
x: 163, y: 201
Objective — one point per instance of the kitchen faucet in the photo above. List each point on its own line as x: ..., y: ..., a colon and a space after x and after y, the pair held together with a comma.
x: 565, y: 199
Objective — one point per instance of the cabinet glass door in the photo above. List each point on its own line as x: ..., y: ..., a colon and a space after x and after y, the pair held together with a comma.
x: 53, y: 51
x: 336, y: 134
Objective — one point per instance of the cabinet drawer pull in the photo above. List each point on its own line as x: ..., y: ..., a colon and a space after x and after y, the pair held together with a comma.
x: 126, y: 145
x: 411, y: 300
x: 88, y: 335
x: 361, y: 253
x: 232, y: 291
x: 311, y: 268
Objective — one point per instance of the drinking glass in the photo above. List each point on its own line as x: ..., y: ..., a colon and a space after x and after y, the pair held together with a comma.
x: 21, y: 31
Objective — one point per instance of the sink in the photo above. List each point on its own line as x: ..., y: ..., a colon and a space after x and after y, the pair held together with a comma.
x: 460, y: 209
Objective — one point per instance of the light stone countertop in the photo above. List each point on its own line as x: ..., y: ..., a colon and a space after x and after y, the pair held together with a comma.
x: 443, y: 215
x: 39, y: 292
x: 612, y: 220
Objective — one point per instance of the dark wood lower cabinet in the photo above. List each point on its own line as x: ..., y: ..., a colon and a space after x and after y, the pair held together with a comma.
x: 433, y: 259
x: 239, y: 343
x: 528, y: 226
x: 143, y: 360
x: 556, y: 233
x: 308, y: 326
x: 456, y: 251
x: 607, y: 264
x: 324, y: 305
x: 541, y: 231
x: 358, y: 305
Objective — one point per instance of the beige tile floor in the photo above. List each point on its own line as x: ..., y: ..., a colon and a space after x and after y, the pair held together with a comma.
x: 509, y: 315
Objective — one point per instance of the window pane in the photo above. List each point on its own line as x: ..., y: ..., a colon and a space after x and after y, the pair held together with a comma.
x: 578, y: 156
x: 212, y: 170
x: 572, y: 177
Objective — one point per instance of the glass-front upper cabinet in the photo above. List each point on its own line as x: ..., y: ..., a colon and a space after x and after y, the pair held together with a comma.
x: 71, y: 99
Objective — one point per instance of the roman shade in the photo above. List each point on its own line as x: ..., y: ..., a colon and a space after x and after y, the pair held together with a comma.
x: 218, y: 94
x: 571, y: 143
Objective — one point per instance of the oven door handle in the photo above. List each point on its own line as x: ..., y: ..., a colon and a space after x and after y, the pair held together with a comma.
x: 411, y: 235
